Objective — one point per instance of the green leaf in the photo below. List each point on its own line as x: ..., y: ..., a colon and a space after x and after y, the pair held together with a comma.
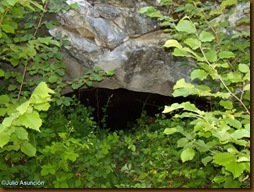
x: 147, y: 9
x: 247, y: 166
x: 151, y: 12
x: 46, y: 169
x: 37, y: 5
x: 211, y: 55
x: 206, y: 160
x: 228, y: 160
x: 44, y: 40
x: 222, y: 65
x: 71, y: 155
x: 21, y: 133
x: 227, y: 3
x: 53, y: 79
x: 4, y: 139
x: 238, y: 134
x: 155, y: 15
x: 187, y: 155
x: 198, y: 73
x: 17, y: 12
x: 31, y: 120
x: 190, y: 107
x: 186, y: 106
x: 7, y: 122
x: 3, y: 111
x: 41, y: 93
x: 226, y: 104
x: 226, y: 55
x: 59, y: 102
x: 49, y: 24
x: 169, y: 131
x: 184, y: 89
x: 246, y: 87
x: 76, y: 85
x: 172, y: 43
x: 222, y: 95
x: 42, y: 106
x: 180, y: 53
x: 182, y: 84
x: 7, y: 28
x: 206, y: 36
x: 241, y: 142
x: 230, y: 183
x: 204, y: 88
x: 232, y: 150
x: 234, y: 77
x: 243, y: 68
x: 97, y: 69
x: 109, y: 73
x: 96, y: 77
x: 219, y: 179
x: 29, y: 26
x: 23, y: 107
x: 175, y: 106
x: 89, y: 83
x: 1, y: 73
x: 201, y: 146
x: 4, y: 99
x: 56, y: 43
x: 183, y: 92
x: 28, y: 149
x: 60, y: 72
x: 186, y: 26
x: 243, y: 159
x: 234, y: 123
x: 193, y: 43
x: 66, y: 102
x: 14, y: 62
x: 246, y: 96
x: 12, y: 2
x: 182, y: 142
x: 74, y: 6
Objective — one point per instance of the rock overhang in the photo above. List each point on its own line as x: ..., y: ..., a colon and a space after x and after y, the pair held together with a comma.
x: 115, y: 36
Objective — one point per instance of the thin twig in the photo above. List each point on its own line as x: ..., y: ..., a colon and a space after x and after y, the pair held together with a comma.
x: 224, y: 84
x: 23, y: 80
x: 25, y: 68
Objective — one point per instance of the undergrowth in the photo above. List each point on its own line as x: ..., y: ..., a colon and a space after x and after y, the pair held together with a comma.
x: 51, y: 141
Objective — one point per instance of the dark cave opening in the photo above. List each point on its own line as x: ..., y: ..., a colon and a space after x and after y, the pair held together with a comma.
x: 121, y: 107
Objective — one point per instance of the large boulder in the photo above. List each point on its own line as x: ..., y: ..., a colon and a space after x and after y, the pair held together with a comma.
x: 113, y: 35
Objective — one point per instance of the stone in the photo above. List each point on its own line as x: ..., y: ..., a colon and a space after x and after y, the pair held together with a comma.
x: 113, y: 35
x: 235, y: 22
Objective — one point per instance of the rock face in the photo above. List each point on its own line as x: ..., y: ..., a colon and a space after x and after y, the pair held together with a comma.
x: 113, y: 35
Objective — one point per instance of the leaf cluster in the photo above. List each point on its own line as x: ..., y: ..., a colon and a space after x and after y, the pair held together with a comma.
x: 32, y: 70
x: 222, y: 75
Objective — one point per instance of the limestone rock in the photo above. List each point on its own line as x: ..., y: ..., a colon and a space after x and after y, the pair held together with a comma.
x: 236, y: 23
x: 113, y: 35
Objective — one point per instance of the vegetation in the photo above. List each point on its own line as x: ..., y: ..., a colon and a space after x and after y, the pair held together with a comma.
x: 54, y: 141
x: 220, y: 137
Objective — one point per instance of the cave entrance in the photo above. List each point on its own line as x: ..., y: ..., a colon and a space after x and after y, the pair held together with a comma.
x: 121, y: 107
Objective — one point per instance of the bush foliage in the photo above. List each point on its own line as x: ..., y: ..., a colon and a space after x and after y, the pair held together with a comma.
x: 47, y: 137
x: 220, y: 137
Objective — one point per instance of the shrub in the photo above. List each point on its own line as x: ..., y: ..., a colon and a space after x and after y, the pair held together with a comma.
x: 220, y: 137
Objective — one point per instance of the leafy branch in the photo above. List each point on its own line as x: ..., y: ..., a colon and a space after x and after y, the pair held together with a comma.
x: 224, y: 84
x: 214, y: 134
